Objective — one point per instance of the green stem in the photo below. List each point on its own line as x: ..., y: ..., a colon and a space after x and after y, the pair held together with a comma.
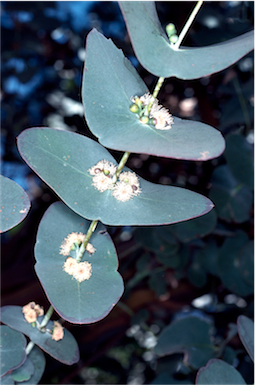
x: 188, y: 24
x: 122, y: 163
x: 176, y: 46
x: 83, y: 246
x: 29, y: 347
x: 47, y: 317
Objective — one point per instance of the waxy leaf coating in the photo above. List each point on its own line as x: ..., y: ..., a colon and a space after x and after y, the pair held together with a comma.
x: 62, y: 160
x: 14, y: 204
x: 109, y: 83
x: 158, y: 56
x: 219, y: 372
x: 77, y: 302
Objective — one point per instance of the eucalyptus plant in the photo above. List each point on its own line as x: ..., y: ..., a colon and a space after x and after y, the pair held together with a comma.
x: 76, y: 261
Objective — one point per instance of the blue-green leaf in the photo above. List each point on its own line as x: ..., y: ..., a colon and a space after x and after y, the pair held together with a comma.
x: 62, y: 160
x: 13, y: 345
x: 65, y: 350
x: 80, y: 302
x: 158, y: 56
x: 39, y: 362
x: 246, y: 333
x: 219, y: 372
x: 109, y: 83
x: 14, y: 204
x: 189, y: 335
x: 24, y: 372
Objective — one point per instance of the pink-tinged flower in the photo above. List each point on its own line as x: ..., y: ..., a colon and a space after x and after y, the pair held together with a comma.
x: 58, y: 331
x: 90, y: 249
x: 32, y: 311
x: 69, y: 265
x: 82, y: 271
x: 129, y: 177
x: 30, y: 316
x: 127, y: 187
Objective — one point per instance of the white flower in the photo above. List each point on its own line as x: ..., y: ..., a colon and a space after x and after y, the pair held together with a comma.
x: 127, y: 187
x: 74, y: 239
x: 103, y: 166
x: 82, y: 271
x: 102, y: 182
x: 69, y: 265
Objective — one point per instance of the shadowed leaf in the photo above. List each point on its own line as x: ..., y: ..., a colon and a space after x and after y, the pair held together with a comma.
x: 246, y: 333
x: 219, y: 372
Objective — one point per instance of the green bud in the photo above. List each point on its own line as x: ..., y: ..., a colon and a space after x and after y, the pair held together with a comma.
x: 173, y: 39
x: 144, y: 119
x: 106, y: 172
x: 33, y: 324
x: 170, y: 29
x: 134, y: 108
x: 125, y: 180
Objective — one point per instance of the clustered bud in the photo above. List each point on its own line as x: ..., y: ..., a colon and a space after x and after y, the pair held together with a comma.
x: 123, y: 190
x: 32, y: 311
x: 72, y: 242
x: 159, y: 117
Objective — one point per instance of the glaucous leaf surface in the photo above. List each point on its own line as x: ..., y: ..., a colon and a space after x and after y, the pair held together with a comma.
x: 13, y: 345
x: 229, y: 261
x: 77, y: 302
x: 39, y: 362
x: 246, y: 333
x: 65, y: 350
x: 233, y: 200
x: 14, y: 204
x: 23, y: 372
x: 240, y: 159
x: 7, y: 379
x: 62, y: 160
x: 109, y: 83
x: 158, y: 56
x: 219, y: 372
x: 189, y: 335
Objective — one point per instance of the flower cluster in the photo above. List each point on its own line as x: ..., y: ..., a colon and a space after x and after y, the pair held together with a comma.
x: 159, y: 116
x: 58, y: 331
x: 32, y: 311
x: 81, y: 271
x: 123, y: 190
x: 73, y: 241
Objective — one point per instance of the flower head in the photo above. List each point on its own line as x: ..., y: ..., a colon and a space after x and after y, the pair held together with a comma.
x: 159, y: 116
x: 32, y: 311
x: 102, y: 182
x: 72, y: 241
x: 82, y: 271
x: 127, y: 187
x: 104, y: 166
x: 58, y: 331
x: 69, y: 265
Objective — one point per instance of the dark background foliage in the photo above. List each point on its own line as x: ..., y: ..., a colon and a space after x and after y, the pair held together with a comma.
x: 165, y: 271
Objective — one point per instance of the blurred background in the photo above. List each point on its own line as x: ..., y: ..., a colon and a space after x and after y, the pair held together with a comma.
x: 189, y: 268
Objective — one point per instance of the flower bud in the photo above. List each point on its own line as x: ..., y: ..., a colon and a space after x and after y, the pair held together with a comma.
x: 170, y: 29
x: 134, y: 108
x: 173, y: 39
x: 144, y: 119
x: 106, y: 172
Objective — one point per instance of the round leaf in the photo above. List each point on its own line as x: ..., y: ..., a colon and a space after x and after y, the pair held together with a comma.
x: 7, y: 379
x: 24, y: 372
x: 233, y: 201
x: 219, y: 372
x: 39, y: 362
x: 13, y: 345
x: 14, y: 204
x: 229, y: 260
x: 62, y: 158
x: 189, y: 335
x: 246, y: 333
x: 109, y: 83
x: 65, y: 350
x: 92, y: 299
x: 158, y: 56
x: 240, y: 158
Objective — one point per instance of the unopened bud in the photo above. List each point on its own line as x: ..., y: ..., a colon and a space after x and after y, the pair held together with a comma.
x: 170, y: 29
x: 106, y: 172
x: 144, y: 119
x: 173, y: 39
x: 134, y: 108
